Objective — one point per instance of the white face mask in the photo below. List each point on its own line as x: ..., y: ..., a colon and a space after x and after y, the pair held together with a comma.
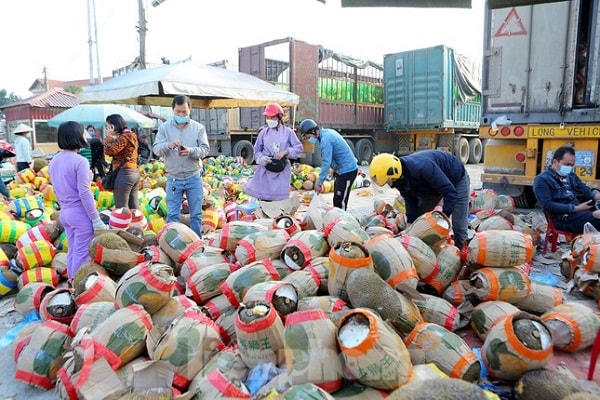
x: 272, y: 123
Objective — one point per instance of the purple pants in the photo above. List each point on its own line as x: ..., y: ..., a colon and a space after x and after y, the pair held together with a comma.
x: 80, y: 233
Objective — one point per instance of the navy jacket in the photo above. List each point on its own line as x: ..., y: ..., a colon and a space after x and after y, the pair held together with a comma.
x: 555, y: 196
x: 429, y: 173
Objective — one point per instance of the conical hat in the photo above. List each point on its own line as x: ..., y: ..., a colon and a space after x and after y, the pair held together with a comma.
x: 22, y: 128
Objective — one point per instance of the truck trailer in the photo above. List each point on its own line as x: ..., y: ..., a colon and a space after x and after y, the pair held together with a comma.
x: 433, y: 101
x: 541, y: 88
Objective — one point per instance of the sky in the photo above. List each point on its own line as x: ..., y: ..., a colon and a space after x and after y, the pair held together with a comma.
x: 53, y: 34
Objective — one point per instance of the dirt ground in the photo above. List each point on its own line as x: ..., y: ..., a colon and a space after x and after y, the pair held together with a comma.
x: 360, y: 204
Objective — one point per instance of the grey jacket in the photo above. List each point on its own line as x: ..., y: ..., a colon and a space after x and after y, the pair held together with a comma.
x: 192, y: 136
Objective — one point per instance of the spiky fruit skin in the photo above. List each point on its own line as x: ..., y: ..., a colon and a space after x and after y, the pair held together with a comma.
x: 439, y: 389
x: 553, y: 384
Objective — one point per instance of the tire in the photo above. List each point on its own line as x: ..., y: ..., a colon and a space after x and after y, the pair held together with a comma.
x: 526, y: 199
x: 475, y: 151
x: 351, y: 144
x: 484, y: 143
x: 364, y: 151
x: 317, y: 160
x: 461, y: 150
x: 244, y: 149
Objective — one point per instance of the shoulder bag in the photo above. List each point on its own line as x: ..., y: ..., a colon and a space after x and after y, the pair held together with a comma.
x: 108, y: 182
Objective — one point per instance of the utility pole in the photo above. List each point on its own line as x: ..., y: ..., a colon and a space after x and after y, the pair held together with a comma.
x: 93, y: 41
x: 90, y: 42
x: 96, y: 41
x: 142, y: 32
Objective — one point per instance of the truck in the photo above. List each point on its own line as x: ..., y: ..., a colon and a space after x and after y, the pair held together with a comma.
x: 431, y: 102
x: 541, y: 88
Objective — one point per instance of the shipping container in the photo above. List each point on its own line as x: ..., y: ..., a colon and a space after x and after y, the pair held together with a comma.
x: 541, y: 84
x: 433, y: 101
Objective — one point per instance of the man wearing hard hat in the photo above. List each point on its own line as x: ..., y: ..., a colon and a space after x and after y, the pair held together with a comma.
x: 423, y: 179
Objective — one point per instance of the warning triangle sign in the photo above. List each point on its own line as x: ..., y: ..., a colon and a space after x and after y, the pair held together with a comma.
x: 512, y: 25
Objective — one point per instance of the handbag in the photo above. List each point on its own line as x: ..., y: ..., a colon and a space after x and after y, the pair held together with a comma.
x: 277, y: 165
x: 108, y: 181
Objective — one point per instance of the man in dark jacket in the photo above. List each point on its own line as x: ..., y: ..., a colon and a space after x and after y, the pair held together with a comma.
x: 569, y: 201
x: 423, y: 179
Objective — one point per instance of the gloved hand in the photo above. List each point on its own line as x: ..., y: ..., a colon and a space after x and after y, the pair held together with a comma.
x: 97, y: 224
x: 263, y: 160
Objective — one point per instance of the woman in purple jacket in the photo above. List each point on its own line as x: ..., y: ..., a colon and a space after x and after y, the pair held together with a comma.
x: 70, y: 175
x: 275, y: 142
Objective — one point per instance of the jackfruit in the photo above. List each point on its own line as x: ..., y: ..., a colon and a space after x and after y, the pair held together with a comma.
x: 86, y: 269
x: 39, y: 163
x: 365, y: 288
x: 582, y: 396
x: 439, y: 389
x: 108, y: 240
x: 554, y: 384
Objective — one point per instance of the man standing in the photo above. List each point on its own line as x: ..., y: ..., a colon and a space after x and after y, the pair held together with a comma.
x: 423, y: 179
x: 182, y: 143
x: 569, y: 202
x: 336, y: 154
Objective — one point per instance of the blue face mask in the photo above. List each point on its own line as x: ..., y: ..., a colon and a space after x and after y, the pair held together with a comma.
x: 565, y: 170
x: 181, y: 120
x: 313, y: 140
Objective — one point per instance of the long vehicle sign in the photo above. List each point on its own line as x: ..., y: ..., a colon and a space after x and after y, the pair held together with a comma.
x: 568, y: 131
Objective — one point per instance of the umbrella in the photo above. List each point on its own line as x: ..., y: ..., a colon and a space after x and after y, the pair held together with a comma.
x: 207, y: 86
x: 95, y: 114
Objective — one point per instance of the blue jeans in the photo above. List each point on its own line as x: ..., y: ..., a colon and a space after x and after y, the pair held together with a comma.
x: 194, y: 192
x: 460, y: 215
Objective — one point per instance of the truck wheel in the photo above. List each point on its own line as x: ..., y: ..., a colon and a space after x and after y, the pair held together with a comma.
x: 364, y: 151
x: 244, y: 149
x: 351, y: 144
x: 484, y: 143
x: 461, y: 150
x: 317, y: 160
x: 475, y: 149
x: 526, y: 199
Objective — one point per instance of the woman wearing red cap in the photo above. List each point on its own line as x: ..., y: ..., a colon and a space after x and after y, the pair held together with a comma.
x: 275, y: 145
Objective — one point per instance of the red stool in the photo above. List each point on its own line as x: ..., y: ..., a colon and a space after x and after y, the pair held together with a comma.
x: 552, y: 235
x: 594, y: 357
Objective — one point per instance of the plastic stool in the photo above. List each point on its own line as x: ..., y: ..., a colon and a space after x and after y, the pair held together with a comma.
x: 552, y: 235
x: 594, y: 357
x: 246, y: 208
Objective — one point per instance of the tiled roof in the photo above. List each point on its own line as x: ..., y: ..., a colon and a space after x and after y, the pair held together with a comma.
x: 55, y: 84
x: 53, y: 98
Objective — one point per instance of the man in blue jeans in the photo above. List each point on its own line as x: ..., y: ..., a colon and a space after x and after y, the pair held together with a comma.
x: 569, y: 201
x: 182, y: 143
x: 423, y: 179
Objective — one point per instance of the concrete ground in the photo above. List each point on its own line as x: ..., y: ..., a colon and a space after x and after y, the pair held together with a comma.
x: 360, y: 204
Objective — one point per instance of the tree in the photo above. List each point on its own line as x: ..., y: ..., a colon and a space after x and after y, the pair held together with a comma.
x: 6, y: 98
x: 73, y: 89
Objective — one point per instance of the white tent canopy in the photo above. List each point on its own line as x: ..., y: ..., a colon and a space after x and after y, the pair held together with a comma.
x: 207, y: 86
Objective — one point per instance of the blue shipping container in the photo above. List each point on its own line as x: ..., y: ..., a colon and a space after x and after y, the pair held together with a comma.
x: 423, y: 90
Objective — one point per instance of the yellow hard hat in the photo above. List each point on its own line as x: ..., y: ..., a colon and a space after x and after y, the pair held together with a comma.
x: 385, y: 166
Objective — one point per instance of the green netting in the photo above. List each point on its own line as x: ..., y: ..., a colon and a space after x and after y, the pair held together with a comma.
x: 339, y: 90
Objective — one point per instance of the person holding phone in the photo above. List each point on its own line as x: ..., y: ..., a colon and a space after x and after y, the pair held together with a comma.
x: 182, y: 143
x: 121, y: 143
x: 569, y: 202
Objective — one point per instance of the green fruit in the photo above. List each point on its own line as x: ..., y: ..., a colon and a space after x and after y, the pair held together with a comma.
x: 366, y: 289
x: 553, y: 384
x: 439, y: 389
